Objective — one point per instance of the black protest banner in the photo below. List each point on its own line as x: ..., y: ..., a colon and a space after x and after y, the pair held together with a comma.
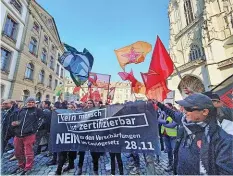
x: 117, y: 128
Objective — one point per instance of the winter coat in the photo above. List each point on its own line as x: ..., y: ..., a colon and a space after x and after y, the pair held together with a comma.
x: 7, y: 117
x: 29, y: 121
x: 215, y: 153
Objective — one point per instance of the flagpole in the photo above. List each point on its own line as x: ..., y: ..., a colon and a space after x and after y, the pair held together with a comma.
x: 177, y: 71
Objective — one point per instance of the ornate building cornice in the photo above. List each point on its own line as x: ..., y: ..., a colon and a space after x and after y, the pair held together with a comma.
x: 225, y: 63
x: 188, y: 27
x: 190, y: 65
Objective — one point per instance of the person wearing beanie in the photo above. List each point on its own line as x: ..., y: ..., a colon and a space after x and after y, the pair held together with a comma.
x: 25, y: 125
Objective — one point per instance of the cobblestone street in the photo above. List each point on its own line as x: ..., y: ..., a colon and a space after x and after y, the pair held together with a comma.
x: 40, y: 167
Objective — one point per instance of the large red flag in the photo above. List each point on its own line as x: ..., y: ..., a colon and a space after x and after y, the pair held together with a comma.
x: 161, y: 66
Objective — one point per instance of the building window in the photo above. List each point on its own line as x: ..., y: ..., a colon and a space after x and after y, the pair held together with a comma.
x: 53, y: 48
x: 2, y: 90
x: 26, y: 94
x: 5, y: 59
x: 41, y: 76
x: 43, y: 55
x: 195, y: 53
x: 17, y: 5
x: 50, y: 81
x: 51, y: 63
x: 47, y: 97
x: 38, y: 96
x: 29, y: 71
x: 58, y: 68
x: 188, y: 11
x: 32, y: 46
x: 36, y: 27
x: 61, y: 75
x: 46, y: 39
x: 58, y: 56
x: 10, y: 28
x: 55, y: 85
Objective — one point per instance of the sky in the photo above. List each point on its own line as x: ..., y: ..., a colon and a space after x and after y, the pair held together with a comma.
x: 104, y: 25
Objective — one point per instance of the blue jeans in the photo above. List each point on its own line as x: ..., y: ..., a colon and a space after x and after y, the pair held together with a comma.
x: 170, y: 145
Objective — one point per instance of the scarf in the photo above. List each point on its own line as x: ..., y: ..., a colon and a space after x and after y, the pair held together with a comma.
x: 208, y: 127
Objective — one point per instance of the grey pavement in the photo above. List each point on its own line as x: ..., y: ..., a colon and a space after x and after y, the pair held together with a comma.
x: 40, y: 167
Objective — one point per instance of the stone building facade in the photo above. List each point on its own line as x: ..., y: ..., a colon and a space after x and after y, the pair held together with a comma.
x: 38, y: 71
x: 14, y: 14
x: 201, y: 43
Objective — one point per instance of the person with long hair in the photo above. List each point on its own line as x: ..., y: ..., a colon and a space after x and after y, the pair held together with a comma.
x: 63, y: 155
x: 95, y: 155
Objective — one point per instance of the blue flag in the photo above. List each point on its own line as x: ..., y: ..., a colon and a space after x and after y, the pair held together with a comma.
x: 79, y: 64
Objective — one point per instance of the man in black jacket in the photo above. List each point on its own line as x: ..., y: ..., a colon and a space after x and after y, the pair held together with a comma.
x: 25, y: 125
x: 203, y: 147
x: 8, y: 111
x: 44, y: 127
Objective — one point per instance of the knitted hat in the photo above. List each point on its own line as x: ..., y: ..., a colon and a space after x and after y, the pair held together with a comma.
x: 30, y: 99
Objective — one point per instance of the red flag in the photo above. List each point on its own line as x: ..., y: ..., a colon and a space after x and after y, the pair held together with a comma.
x: 76, y: 90
x: 84, y: 98
x: 161, y: 66
x: 111, y: 93
x: 136, y: 86
x: 95, y: 96
x: 158, y: 91
x: 128, y: 76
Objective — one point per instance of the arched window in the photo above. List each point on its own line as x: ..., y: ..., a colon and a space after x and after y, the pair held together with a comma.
x: 195, y: 53
x: 41, y: 76
x: 50, y: 81
x: 26, y: 94
x: 47, y: 97
x: 29, y: 71
x: 43, y: 55
x: 188, y: 11
x: 38, y: 96
x: 33, y: 46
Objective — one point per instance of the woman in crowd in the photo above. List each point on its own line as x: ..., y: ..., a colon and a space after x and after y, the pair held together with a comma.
x: 53, y: 161
x: 63, y: 155
x: 95, y: 155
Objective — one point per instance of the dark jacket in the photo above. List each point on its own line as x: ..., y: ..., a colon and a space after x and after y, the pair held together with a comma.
x: 29, y: 120
x: 47, y: 119
x: 225, y: 113
x: 216, y: 152
x: 7, y: 117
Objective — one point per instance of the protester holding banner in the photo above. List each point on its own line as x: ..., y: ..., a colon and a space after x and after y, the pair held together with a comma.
x: 63, y: 155
x: 202, y: 145
x: 95, y: 155
x: 53, y: 161
x: 113, y: 163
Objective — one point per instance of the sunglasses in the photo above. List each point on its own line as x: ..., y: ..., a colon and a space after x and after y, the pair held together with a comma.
x: 189, y: 109
x: 217, y: 101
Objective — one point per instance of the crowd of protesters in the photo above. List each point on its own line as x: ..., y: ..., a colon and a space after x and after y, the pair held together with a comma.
x: 193, y: 136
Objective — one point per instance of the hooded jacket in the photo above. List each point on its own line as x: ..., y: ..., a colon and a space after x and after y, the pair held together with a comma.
x: 215, y: 156
x: 29, y: 120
